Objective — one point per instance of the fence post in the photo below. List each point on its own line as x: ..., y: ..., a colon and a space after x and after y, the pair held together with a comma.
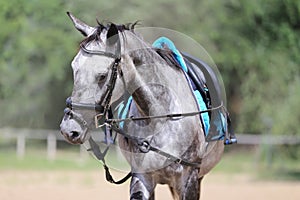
x: 21, y: 143
x: 51, y: 146
x: 268, y: 121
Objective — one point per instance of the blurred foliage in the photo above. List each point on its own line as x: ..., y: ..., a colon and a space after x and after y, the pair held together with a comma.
x: 263, y: 57
x: 254, y: 43
x: 35, y: 57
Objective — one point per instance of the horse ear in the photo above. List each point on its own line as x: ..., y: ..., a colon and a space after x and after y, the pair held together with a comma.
x: 81, y: 26
x: 112, y: 34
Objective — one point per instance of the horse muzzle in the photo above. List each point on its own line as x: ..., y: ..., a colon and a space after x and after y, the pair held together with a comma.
x: 73, y: 127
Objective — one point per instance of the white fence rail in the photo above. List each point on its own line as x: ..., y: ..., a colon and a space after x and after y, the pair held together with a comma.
x: 21, y: 135
x: 52, y: 136
x: 250, y: 139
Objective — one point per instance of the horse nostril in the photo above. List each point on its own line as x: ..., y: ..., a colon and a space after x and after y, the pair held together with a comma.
x: 74, y: 134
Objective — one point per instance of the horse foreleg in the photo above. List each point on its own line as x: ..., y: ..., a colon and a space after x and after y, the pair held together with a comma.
x: 141, y: 187
x: 191, y: 190
x: 187, y: 187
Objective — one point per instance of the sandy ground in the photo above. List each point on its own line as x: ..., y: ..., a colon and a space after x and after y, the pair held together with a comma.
x: 79, y: 185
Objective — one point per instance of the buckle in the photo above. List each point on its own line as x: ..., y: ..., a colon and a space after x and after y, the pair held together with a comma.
x: 97, y: 119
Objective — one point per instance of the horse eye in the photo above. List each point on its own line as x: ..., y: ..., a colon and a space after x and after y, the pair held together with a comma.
x: 137, y: 61
x: 101, y: 78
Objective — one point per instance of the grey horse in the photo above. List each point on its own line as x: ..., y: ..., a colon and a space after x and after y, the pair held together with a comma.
x: 114, y: 60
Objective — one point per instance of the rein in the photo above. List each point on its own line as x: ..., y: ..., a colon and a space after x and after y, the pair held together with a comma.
x: 175, y: 115
x: 145, y: 146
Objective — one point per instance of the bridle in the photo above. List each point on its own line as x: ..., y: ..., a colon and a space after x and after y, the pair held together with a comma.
x: 103, y: 104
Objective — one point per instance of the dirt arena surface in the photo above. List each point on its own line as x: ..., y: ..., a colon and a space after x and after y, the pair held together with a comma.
x: 80, y: 185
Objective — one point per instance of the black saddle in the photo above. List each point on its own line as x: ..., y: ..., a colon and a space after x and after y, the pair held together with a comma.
x: 206, y: 82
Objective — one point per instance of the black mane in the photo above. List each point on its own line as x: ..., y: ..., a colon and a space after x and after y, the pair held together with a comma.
x: 168, y: 56
x: 100, y: 27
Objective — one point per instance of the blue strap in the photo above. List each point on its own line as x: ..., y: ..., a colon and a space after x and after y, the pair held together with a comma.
x: 123, y: 110
x: 205, y: 116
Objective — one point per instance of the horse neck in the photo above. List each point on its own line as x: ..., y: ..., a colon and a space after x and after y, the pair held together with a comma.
x: 146, y: 87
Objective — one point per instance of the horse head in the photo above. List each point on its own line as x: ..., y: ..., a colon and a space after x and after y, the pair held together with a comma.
x: 103, y: 69
x: 97, y: 80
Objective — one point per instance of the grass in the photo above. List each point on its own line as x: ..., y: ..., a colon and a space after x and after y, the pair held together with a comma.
x: 252, y: 161
x: 236, y: 163
x: 68, y: 157
x: 35, y: 158
x: 38, y: 161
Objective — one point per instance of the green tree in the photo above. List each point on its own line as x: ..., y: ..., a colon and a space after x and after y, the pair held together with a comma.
x: 257, y: 49
x: 34, y: 59
x: 255, y: 45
